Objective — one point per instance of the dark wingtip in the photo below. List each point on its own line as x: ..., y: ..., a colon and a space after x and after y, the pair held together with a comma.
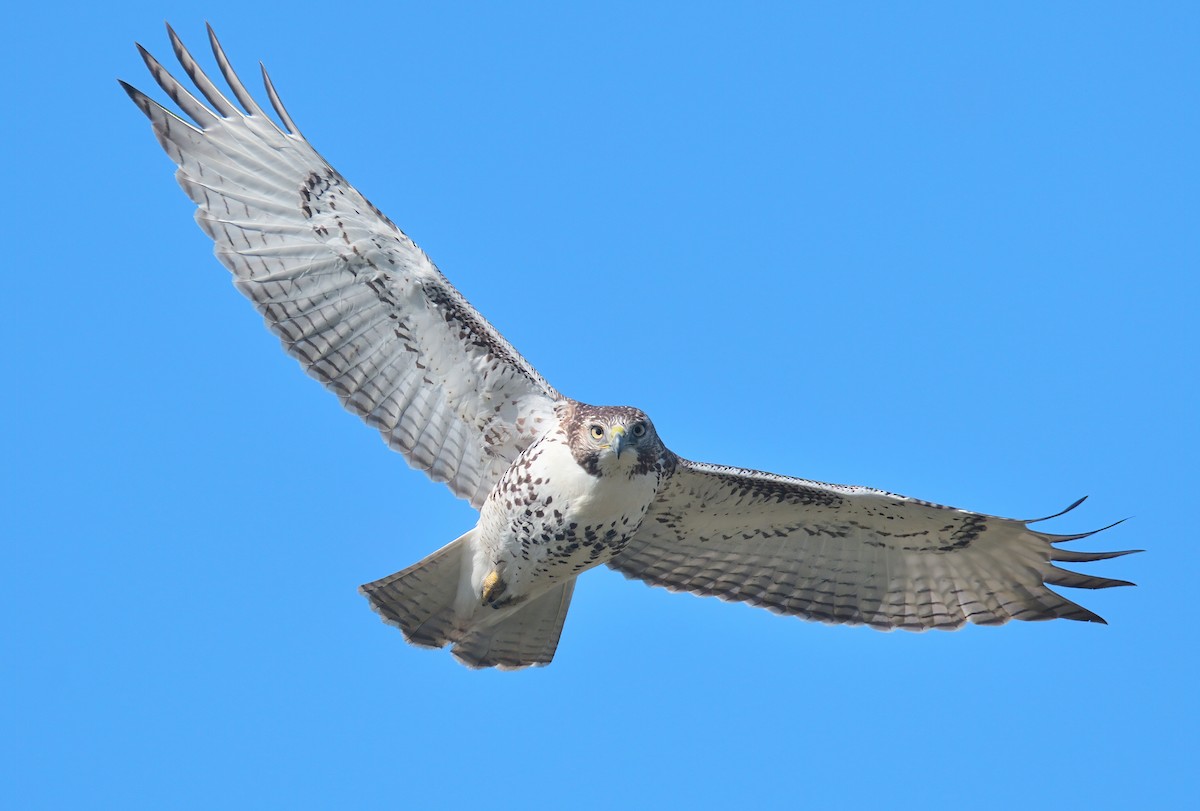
x: 176, y: 42
x: 1081, y: 535
x: 1060, y: 512
x: 1072, y: 556
x: 137, y: 96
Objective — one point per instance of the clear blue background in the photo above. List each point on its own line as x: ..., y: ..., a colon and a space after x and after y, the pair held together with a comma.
x: 948, y: 252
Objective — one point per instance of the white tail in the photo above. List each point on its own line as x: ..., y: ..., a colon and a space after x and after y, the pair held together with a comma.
x: 524, y: 636
x: 420, y: 599
x: 434, y: 604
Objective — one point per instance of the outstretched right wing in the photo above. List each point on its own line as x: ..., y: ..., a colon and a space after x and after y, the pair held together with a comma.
x: 351, y: 297
x: 850, y: 554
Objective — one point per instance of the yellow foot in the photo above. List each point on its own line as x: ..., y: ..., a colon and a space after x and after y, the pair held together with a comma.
x: 493, y: 587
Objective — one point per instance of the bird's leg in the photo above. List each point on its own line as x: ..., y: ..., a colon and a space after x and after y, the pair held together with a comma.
x: 493, y: 588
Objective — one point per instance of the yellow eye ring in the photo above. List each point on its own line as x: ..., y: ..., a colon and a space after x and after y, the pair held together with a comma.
x: 639, y: 429
x: 597, y: 432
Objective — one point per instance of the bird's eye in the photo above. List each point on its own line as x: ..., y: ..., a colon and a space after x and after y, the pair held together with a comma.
x: 639, y: 429
x: 597, y: 432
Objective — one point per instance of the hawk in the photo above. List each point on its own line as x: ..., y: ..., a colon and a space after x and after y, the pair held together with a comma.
x: 561, y: 486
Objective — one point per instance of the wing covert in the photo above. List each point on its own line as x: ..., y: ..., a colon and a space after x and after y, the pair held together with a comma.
x: 350, y: 296
x: 850, y: 554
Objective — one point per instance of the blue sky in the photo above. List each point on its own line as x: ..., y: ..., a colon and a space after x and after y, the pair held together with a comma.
x: 947, y: 252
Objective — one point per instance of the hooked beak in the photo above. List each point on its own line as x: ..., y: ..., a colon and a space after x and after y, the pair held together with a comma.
x: 617, y: 439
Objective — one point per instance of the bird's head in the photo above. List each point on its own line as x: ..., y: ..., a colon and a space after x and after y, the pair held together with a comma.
x: 612, y: 438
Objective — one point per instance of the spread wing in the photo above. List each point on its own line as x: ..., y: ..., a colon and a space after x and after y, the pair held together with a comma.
x: 351, y: 297
x: 850, y: 554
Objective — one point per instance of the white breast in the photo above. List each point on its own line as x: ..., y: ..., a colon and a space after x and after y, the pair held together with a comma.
x: 591, y: 498
x: 544, y: 518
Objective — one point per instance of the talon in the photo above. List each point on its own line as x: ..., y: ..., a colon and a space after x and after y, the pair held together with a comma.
x: 493, y: 587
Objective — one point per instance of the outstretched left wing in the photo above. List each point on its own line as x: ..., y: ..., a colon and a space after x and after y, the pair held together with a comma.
x: 850, y: 554
x: 351, y: 297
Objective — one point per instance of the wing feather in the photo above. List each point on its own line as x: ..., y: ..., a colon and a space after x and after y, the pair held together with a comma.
x: 350, y: 296
x: 850, y: 554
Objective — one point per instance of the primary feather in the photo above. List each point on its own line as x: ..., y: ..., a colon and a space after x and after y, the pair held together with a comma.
x: 351, y: 297
x: 849, y: 554
x: 562, y: 486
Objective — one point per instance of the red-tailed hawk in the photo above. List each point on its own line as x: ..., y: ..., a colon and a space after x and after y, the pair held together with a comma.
x: 561, y: 486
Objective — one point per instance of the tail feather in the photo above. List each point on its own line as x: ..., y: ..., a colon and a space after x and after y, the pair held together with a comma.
x: 526, y: 637
x: 420, y: 600
x: 433, y: 603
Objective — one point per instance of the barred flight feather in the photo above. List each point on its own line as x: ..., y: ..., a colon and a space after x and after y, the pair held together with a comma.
x: 349, y: 295
x: 366, y: 313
